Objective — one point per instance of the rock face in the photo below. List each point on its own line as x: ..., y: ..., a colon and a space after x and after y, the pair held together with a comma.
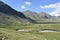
x: 7, y: 14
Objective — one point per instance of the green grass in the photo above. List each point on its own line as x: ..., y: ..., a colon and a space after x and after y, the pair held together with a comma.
x: 11, y: 34
x: 37, y: 26
x: 14, y: 35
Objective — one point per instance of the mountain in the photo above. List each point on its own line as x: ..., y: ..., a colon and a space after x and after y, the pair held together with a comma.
x: 9, y: 16
x: 41, y: 17
x: 30, y: 14
x: 44, y: 15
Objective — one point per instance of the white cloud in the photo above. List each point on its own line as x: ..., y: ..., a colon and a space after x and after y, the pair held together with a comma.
x: 48, y: 6
x: 51, y: 5
x: 27, y: 3
x: 23, y: 7
x: 55, y: 12
x: 55, y: 6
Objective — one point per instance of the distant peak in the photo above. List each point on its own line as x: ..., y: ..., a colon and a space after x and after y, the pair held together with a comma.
x: 43, y: 12
x: 27, y: 11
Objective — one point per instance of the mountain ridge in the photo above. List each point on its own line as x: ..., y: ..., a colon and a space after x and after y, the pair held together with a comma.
x: 8, y: 14
x: 11, y: 14
x: 42, y: 16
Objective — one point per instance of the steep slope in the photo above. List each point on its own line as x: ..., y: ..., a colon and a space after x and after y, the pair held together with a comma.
x: 9, y: 15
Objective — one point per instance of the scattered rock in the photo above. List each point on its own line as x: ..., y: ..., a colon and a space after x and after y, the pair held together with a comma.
x: 2, y: 38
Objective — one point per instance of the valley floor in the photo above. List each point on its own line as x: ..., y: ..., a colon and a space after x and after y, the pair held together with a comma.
x: 33, y: 34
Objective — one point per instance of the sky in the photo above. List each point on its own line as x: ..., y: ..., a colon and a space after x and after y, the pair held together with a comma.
x: 51, y: 7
